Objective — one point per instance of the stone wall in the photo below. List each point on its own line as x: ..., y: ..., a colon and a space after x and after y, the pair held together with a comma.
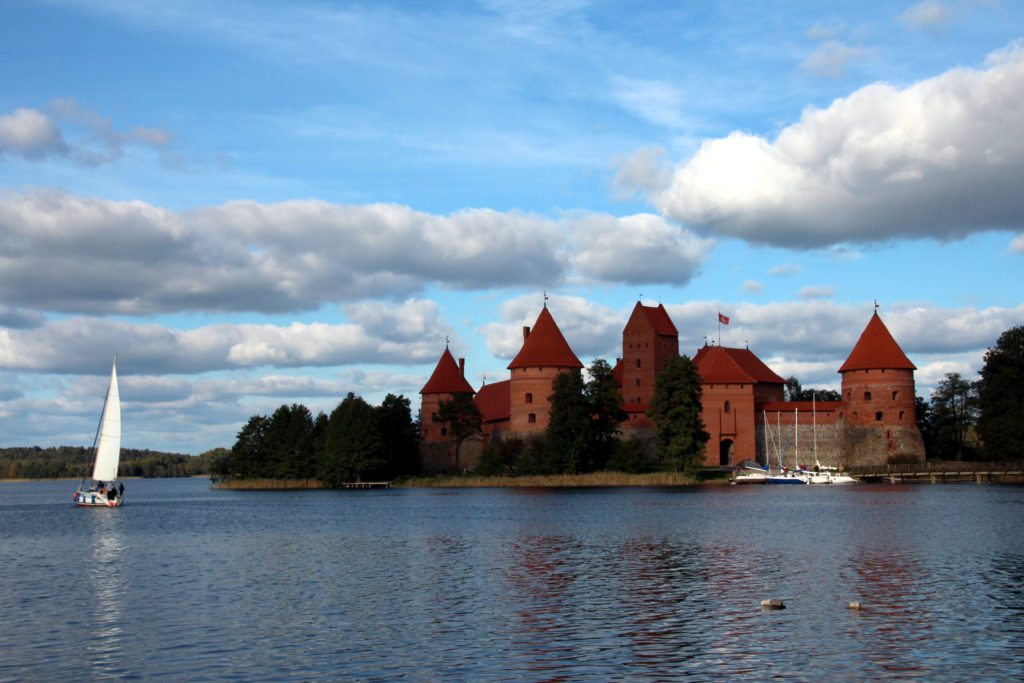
x: 825, y: 441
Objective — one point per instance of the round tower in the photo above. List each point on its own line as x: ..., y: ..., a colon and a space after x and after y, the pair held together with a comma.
x: 545, y: 355
x: 878, y: 400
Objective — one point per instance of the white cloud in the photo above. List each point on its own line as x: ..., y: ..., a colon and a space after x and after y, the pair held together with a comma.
x: 1017, y: 245
x: 73, y: 344
x: 941, y: 158
x: 752, y: 286
x: 785, y: 269
x: 31, y: 134
x: 643, y: 248
x: 829, y: 60
x: 657, y: 102
x: 642, y: 173
x: 816, y: 292
x: 930, y: 15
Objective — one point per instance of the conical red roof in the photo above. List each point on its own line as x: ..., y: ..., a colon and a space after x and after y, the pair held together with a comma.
x: 545, y: 347
x: 876, y: 350
x: 659, y: 320
x: 447, y: 378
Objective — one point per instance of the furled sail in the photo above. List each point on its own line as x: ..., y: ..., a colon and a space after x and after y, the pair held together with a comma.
x: 108, y: 438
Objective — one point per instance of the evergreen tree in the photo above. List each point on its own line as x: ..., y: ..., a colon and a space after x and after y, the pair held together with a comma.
x: 604, y: 402
x: 568, y: 441
x: 290, y: 443
x: 248, y: 458
x: 462, y: 419
x: 399, y: 436
x: 1001, y: 397
x: 351, y: 444
x: 675, y: 410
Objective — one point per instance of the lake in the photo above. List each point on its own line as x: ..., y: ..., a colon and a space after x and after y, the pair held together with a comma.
x: 188, y: 583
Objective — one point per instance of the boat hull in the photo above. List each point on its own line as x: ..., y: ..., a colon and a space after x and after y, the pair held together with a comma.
x: 95, y: 499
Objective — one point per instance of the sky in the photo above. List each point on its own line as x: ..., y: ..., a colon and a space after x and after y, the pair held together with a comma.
x: 256, y: 203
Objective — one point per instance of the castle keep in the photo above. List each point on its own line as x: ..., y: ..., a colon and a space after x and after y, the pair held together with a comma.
x: 744, y: 406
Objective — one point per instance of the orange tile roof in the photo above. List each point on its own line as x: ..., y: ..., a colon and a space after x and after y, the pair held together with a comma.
x: 495, y: 401
x: 724, y: 365
x: 447, y: 378
x: 876, y: 350
x: 545, y: 347
x: 658, y: 317
x: 802, y: 406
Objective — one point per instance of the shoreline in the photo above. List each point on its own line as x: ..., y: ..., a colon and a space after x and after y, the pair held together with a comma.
x: 553, y: 481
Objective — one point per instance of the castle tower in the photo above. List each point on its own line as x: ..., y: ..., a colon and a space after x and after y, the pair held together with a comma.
x: 448, y: 379
x: 648, y: 341
x: 878, y: 400
x: 545, y: 355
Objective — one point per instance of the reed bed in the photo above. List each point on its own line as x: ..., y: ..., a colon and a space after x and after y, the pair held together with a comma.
x: 268, y: 484
x: 594, y: 479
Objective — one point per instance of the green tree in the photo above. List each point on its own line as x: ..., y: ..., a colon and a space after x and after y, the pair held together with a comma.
x: 399, y: 436
x: 290, y: 443
x: 604, y: 402
x: 675, y: 411
x: 925, y: 420
x: 954, y: 414
x: 567, y: 440
x: 1001, y: 397
x: 461, y: 418
x: 795, y: 392
x: 351, y: 444
x: 248, y: 458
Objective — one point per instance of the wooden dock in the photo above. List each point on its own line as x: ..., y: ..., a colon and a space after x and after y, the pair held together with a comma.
x: 366, y: 485
x: 943, y: 472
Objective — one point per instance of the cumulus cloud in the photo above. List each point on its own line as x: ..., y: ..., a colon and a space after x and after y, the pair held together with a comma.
x: 829, y: 60
x: 941, y: 158
x: 30, y: 134
x: 133, y: 258
x: 72, y: 345
x: 642, y: 248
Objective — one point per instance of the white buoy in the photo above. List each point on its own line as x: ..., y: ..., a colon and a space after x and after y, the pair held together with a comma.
x: 853, y: 604
x: 773, y: 603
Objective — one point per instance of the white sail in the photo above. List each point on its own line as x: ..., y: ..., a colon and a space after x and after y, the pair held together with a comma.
x: 108, y: 438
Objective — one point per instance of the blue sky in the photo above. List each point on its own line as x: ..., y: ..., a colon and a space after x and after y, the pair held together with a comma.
x: 258, y: 203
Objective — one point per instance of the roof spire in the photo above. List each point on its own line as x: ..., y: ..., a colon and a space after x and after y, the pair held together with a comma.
x: 545, y: 298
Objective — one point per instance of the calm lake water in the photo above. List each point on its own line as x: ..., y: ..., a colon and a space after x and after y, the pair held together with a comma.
x: 187, y: 583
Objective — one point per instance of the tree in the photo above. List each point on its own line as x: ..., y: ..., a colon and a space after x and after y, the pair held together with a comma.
x: 795, y: 392
x: 925, y: 420
x: 351, y: 444
x: 954, y: 413
x: 462, y: 418
x: 249, y: 454
x: 1001, y: 397
x: 675, y: 410
x: 604, y: 401
x: 398, y: 434
x: 567, y: 447
x: 290, y: 443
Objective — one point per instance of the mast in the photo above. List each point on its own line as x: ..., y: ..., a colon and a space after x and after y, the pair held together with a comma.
x: 814, y: 427
x: 796, y: 438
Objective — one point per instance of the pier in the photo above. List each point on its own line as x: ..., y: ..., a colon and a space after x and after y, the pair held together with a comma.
x: 943, y: 472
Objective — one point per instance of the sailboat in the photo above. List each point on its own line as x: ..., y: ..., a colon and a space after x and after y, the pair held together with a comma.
x: 102, y: 489
x: 823, y: 474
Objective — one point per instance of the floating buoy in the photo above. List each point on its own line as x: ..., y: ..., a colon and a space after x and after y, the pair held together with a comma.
x: 853, y: 604
x: 773, y: 603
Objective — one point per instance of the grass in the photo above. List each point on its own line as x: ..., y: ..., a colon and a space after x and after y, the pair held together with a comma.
x: 268, y: 484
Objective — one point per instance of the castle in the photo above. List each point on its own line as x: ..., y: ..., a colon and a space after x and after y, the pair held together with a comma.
x: 743, y: 404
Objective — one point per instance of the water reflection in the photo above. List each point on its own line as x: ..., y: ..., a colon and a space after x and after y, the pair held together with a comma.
x: 105, y: 574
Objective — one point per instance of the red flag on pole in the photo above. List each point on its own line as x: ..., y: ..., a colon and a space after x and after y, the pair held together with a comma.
x: 724, y: 319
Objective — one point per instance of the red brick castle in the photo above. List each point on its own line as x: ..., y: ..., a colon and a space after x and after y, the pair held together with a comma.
x: 744, y: 408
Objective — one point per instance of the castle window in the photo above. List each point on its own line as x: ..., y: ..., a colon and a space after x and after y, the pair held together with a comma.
x: 529, y: 397
x: 901, y: 416
x: 638, y: 362
x: 444, y: 431
x: 867, y: 395
x: 878, y: 416
x: 726, y: 407
x: 895, y: 395
x: 638, y: 381
x: 531, y: 418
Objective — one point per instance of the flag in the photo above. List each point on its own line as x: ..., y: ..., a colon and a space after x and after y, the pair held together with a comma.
x: 724, y: 319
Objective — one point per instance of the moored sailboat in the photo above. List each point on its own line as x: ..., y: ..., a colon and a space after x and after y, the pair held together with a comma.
x: 103, y: 489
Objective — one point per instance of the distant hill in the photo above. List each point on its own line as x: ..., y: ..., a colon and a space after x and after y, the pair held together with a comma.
x: 72, y: 462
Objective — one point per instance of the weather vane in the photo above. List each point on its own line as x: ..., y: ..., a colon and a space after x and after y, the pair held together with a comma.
x: 545, y: 298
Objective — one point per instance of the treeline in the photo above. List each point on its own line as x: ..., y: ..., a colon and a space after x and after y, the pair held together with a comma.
x: 73, y: 462
x: 981, y: 419
x: 584, y: 433
x: 964, y: 419
x: 356, y: 442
